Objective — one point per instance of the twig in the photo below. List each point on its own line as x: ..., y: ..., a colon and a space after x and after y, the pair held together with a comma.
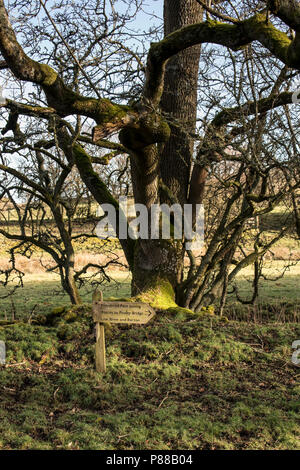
x: 161, y: 403
x: 216, y: 13
x: 69, y: 49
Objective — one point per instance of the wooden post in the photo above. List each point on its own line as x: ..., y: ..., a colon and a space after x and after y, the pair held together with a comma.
x: 100, y: 348
x: 100, y: 339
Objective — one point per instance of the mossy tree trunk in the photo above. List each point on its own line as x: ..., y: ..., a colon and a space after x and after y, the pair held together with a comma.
x: 157, y: 271
x: 158, y: 264
x: 68, y: 281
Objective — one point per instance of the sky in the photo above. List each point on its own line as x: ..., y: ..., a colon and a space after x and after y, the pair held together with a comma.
x: 141, y: 23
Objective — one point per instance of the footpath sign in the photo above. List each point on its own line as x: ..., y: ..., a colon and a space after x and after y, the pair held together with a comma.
x: 128, y: 313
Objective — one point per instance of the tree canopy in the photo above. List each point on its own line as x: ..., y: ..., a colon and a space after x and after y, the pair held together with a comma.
x: 86, y: 73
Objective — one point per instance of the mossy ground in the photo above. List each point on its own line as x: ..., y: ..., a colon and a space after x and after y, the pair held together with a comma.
x: 194, y: 383
x: 182, y: 382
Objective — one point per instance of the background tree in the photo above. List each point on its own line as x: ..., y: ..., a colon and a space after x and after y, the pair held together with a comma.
x: 52, y: 209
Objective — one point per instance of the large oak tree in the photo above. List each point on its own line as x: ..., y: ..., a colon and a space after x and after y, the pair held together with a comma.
x: 156, y: 128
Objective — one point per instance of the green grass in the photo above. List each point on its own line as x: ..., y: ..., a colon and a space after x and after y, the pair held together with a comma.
x: 194, y: 382
x: 42, y: 292
x: 198, y: 383
x: 285, y: 288
x: 278, y: 298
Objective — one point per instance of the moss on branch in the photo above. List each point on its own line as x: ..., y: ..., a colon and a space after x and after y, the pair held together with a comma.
x: 148, y: 130
x: 233, y: 36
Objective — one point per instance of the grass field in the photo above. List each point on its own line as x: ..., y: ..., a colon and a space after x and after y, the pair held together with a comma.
x: 181, y: 382
x: 42, y: 292
x: 195, y: 382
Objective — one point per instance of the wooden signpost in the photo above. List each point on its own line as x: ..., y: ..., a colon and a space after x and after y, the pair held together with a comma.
x: 127, y: 313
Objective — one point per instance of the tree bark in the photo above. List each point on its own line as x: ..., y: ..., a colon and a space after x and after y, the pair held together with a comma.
x: 158, y: 264
x: 157, y: 271
x: 67, y: 267
x: 68, y: 281
x: 179, y: 100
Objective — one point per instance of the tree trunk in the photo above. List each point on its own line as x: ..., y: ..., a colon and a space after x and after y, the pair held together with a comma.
x: 157, y: 271
x: 179, y: 100
x: 68, y: 282
x: 67, y: 266
x: 158, y: 264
